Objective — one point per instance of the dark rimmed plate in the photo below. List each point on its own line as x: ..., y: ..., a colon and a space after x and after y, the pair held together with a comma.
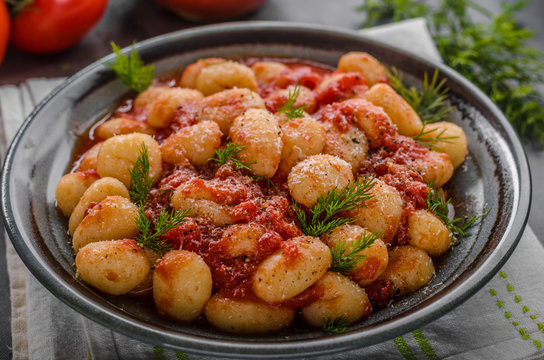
x: 495, y: 176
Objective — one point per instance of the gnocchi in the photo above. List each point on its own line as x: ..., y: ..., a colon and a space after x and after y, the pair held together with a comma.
x: 182, y: 284
x: 114, y: 267
x: 259, y: 133
x: 270, y: 188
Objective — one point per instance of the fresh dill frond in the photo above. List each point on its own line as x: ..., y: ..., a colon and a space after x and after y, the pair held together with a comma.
x: 337, y: 325
x: 150, y: 233
x: 488, y: 48
x: 429, y: 140
x: 228, y: 154
x: 140, y: 183
x: 334, y: 202
x: 131, y: 69
x: 431, y: 103
x: 437, y: 204
x: 346, y: 257
x: 289, y: 107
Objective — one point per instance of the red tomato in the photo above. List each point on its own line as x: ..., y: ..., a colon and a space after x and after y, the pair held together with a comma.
x: 4, y: 29
x: 47, y: 26
x: 211, y: 9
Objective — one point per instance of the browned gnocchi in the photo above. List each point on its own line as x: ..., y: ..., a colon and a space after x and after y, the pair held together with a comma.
x: 253, y: 192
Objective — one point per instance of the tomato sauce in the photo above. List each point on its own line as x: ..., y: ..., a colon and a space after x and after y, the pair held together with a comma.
x: 266, y: 202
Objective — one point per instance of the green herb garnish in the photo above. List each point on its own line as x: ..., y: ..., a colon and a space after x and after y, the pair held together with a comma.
x: 344, y: 261
x: 337, y: 325
x: 131, y: 69
x: 337, y: 200
x: 228, y: 154
x: 438, y: 205
x: 492, y: 54
x: 431, y: 103
x: 289, y: 107
x: 150, y: 232
x: 140, y: 183
x: 429, y: 141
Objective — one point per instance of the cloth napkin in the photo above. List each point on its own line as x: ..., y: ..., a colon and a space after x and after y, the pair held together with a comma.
x: 504, y: 320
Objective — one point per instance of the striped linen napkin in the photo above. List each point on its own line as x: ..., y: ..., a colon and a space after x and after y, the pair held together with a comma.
x: 504, y: 320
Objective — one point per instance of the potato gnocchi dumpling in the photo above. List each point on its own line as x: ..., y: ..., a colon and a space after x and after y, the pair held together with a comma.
x: 375, y: 256
x: 271, y: 187
x: 182, y: 285
x: 111, y: 219
x: 456, y: 141
x: 266, y: 72
x: 167, y: 102
x: 316, y: 176
x: 380, y: 214
x: 247, y: 316
x: 341, y: 298
x: 120, y: 126
x: 196, y: 142
x: 96, y: 192
x: 114, y: 267
x: 398, y: 110
x: 350, y: 145
x: 301, y: 137
x: 365, y: 64
x: 225, y: 75
x: 258, y: 132
x: 409, y: 269
x: 225, y: 106
x: 428, y: 232
x: 287, y: 273
x: 71, y: 188
x: 119, y: 153
x: 191, y: 72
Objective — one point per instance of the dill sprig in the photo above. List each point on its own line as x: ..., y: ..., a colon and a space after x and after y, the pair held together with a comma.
x: 228, y: 154
x: 437, y: 204
x: 131, y: 69
x: 150, y: 231
x: 428, y: 139
x: 334, y: 202
x: 345, y: 257
x: 431, y: 103
x: 289, y: 107
x: 337, y: 325
x: 492, y: 53
x: 140, y: 183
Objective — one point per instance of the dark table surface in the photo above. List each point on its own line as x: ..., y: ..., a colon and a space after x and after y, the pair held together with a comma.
x: 126, y: 21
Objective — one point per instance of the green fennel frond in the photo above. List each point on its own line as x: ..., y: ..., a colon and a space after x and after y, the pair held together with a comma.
x: 437, y: 204
x: 323, y: 213
x: 131, y: 69
x: 289, y: 107
x: 346, y: 257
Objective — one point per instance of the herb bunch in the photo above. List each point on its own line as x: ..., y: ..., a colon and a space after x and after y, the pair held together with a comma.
x: 345, y: 257
x: 131, y: 69
x: 491, y: 54
x: 437, y: 204
x: 228, y: 154
x: 150, y: 231
x: 323, y: 213
x: 289, y: 107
